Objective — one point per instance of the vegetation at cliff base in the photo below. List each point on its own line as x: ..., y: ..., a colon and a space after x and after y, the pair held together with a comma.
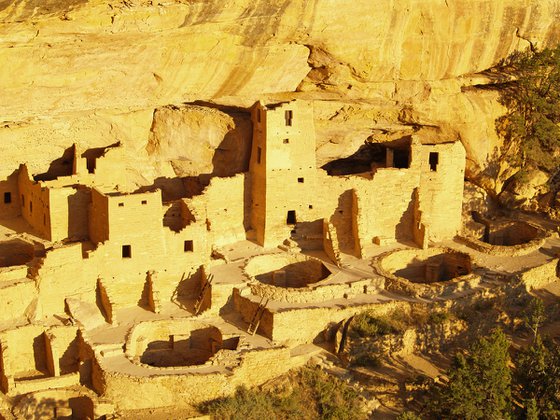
x: 479, y: 384
x: 531, y: 94
x: 485, y: 382
x: 308, y: 394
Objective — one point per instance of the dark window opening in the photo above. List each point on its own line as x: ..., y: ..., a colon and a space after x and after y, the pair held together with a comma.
x: 291, y: 219
x: 259, y: 154
x: 7, y: 197
x: 372, y: 156
x: 126, y: 251
x: 286, y: 141
x: 401, y: 159
x: 434, y: 160
x: 144, y: 201
x: 90, y: 165
x: 310, y: 206
x: 288, y: 115
x: 300, y: 180
x: 188, y: 246
x: 121, y: 204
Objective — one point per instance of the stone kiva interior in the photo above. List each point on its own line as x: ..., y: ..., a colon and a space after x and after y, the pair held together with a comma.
x: 287, y: 270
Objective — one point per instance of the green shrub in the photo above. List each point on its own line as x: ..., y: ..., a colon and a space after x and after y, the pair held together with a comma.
x: 335, y: 399
x: 408, y: 415
x: 313, y: 394
x: 366, y: 325
x: 439, y: 317
x: 253, y: 404
x: 367, y: 359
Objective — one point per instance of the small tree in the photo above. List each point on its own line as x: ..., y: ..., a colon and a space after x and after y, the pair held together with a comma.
x: 537, y: 375
x: 535, y: 315
x: 531, y: 410
x: 479, y: 384
x: 531, y: 95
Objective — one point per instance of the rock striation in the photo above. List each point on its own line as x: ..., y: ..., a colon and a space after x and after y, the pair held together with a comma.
x: 93, y: 72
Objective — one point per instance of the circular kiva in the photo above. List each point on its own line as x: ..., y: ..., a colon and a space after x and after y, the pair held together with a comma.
x: 506, y: 237
x: 426, y: 273
x: 16, y: 252
x: 297, y: 279
x: 175, y: 342
x: 287, y: 270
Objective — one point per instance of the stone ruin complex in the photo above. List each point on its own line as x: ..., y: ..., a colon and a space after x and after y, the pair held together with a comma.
x: 115, y: 301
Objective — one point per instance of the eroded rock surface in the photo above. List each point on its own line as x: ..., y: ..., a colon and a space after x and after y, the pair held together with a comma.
x: 93, y: 72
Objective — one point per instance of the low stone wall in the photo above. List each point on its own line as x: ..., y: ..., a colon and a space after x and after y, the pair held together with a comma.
x: 32, y: 385
x: 317, y: 293
x: 306, y: 324
x: 540, y: 276
x: 187, y: 390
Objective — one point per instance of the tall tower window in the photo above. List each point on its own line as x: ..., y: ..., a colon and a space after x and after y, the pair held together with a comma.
x: 259, y: 154
x: 7, y: 197
x: 288, y: 115
x: 434, y: 160
x: 291, y: 219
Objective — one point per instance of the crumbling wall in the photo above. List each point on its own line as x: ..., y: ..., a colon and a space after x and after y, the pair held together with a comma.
x: 64, y: 274
x: 62, y: 350
x: 385, y: 208
x: 24, y: 352
x: 225, y: 200
x: 35, y: 204
x: 10, y: 205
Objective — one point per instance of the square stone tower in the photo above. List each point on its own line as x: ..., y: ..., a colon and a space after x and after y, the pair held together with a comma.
x: 283, y: 169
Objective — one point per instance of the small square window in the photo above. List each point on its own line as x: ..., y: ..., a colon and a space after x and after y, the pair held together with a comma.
x: 300, y: 180
x: 7, y: 197
x: 188, y: 246
x: 310, y: 206
x: 121, y: 204
x: 286, y: 141
x: 144, y: 201
x: 126, y: 251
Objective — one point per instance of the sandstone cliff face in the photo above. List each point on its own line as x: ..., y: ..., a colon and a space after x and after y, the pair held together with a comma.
x: 93, y: 72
